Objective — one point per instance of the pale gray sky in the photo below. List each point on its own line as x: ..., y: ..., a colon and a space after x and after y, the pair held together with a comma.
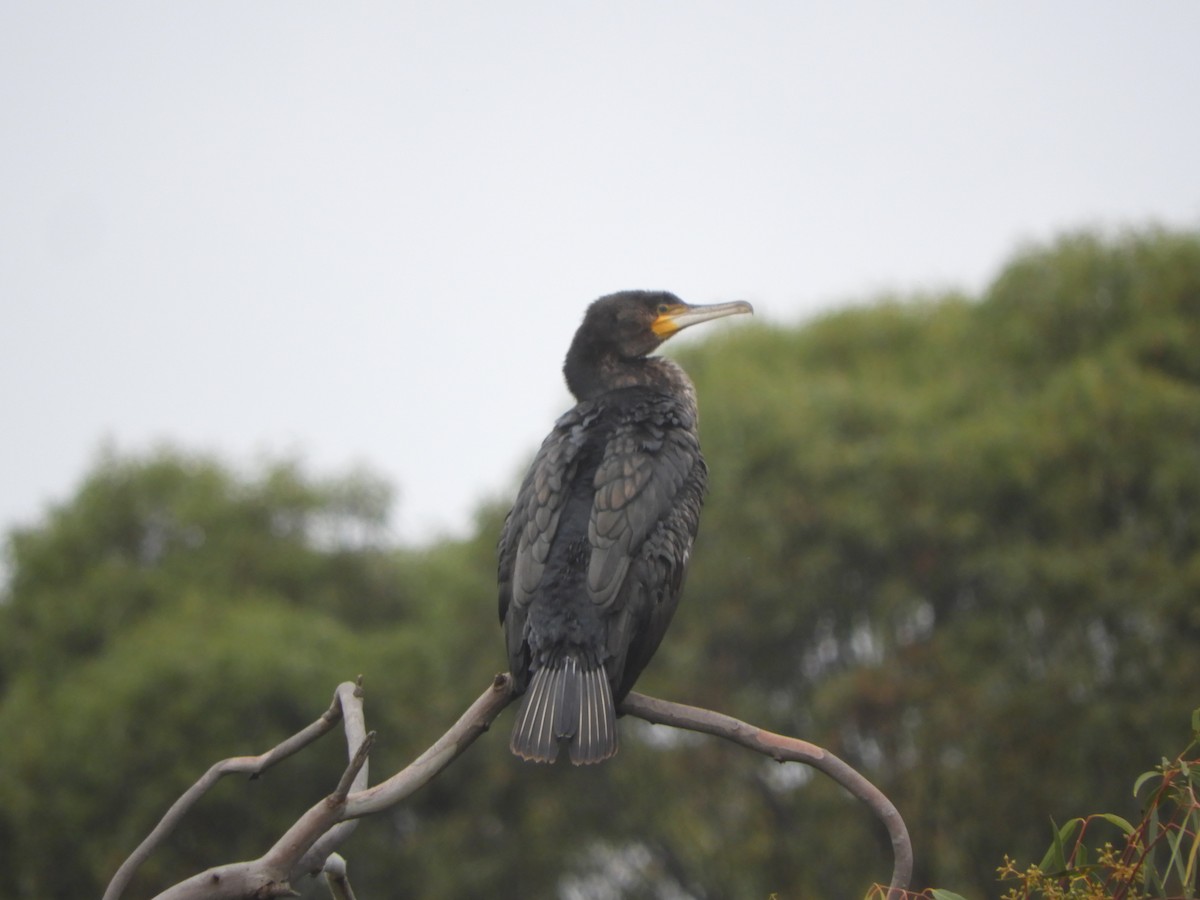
x: 364, y: 232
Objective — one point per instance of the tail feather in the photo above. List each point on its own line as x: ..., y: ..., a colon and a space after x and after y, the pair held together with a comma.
x: 566, y: 703
x: 533, y: 737
x: 596, y: 738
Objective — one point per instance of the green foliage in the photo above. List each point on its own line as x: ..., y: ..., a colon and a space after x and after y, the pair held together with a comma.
x: 126, y: 731
x: 1158, y: 857
x: 140, y: 529
x: 175, y: 614
x: 953, y: 539
x: 957, y: 543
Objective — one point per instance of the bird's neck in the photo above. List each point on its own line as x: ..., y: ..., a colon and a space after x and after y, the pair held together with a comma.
x: 591, y: 372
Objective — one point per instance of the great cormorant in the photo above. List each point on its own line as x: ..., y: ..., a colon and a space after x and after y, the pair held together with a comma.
x: 593, y: 554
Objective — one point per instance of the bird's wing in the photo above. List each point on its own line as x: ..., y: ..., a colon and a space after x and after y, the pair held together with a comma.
x: 533, y: 521
x: 653, y: 586
x: 636, y: 488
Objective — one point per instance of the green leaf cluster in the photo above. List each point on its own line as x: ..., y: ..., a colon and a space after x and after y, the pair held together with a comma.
x: 1158, y: 857
x: 952, y: 538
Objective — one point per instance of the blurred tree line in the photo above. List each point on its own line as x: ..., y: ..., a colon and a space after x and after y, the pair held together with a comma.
x: 953, y: 539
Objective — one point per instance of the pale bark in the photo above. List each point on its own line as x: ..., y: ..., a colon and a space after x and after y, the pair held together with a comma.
x: 308, y: 845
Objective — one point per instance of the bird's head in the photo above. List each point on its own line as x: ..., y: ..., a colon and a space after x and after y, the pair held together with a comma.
x: 634, y: 323
x: 619, y: 330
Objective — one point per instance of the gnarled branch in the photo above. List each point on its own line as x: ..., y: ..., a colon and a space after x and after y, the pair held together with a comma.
x: 346, y: 706
x: 307, y: 846
x: 325, y: 825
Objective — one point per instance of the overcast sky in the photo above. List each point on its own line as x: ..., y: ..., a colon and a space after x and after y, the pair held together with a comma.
x: 363, y: 233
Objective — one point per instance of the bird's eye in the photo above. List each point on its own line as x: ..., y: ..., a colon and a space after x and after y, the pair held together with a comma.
x: 663, y: 308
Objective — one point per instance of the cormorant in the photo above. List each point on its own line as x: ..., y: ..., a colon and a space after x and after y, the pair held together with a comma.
x: 593, y: 553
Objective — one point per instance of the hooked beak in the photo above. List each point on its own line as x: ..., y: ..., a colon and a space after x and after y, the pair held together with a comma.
x: 681, y: 316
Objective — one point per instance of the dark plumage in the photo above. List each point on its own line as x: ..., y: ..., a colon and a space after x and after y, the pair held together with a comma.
x: 594, y: 552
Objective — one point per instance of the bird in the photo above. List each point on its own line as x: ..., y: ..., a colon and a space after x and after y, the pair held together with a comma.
x: 593, y: 555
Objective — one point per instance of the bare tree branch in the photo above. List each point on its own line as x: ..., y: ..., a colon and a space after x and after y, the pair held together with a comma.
x: 271, y: 874
x: 347, y: 697
x: 784, y: 749
x: 356, y: 736
x: 445, y: 750
x: 308, y: 845
x: 319, y: 819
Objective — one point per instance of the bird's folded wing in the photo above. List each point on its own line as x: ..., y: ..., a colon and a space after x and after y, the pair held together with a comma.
x: 636, y: 485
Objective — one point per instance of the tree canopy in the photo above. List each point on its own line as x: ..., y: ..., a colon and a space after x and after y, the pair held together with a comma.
x: 952, y: 538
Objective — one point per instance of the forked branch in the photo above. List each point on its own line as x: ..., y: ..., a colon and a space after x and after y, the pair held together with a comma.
x: 308, y: 846
x: 346, y: 706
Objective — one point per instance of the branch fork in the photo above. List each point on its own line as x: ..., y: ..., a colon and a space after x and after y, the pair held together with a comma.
x: 309, y: 845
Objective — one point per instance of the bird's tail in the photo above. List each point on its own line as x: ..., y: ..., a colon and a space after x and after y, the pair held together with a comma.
x: 566, y: 702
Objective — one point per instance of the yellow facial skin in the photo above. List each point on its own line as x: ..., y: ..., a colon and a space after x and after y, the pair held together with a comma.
x: 666, y: 324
